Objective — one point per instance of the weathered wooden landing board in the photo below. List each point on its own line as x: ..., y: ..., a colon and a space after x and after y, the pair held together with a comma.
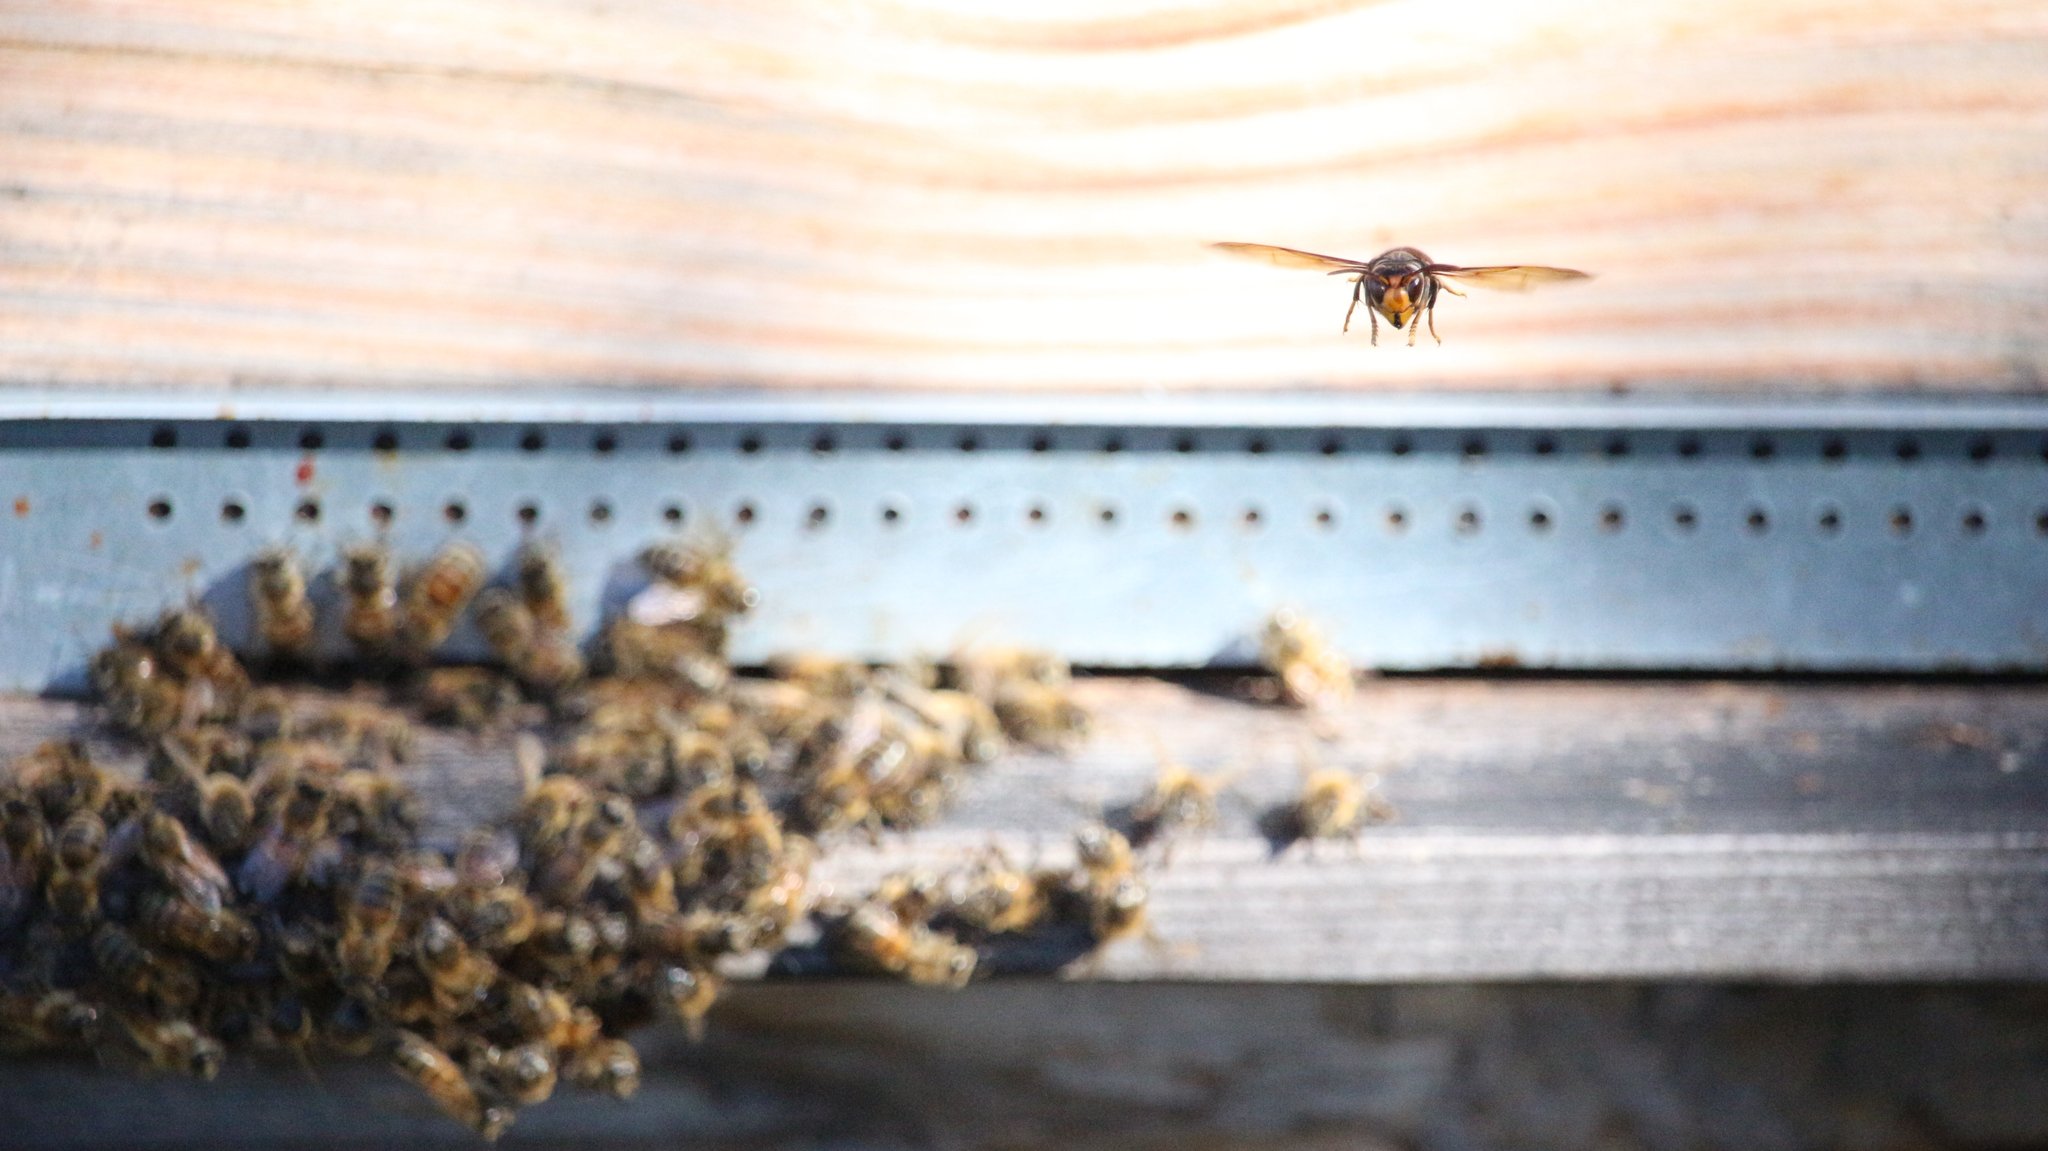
x: 1547, y: 829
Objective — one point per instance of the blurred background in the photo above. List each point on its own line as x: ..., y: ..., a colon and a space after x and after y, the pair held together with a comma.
x: 1820, y: 194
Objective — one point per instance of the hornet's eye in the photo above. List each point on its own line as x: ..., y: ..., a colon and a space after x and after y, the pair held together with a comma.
x: 1415, y: 285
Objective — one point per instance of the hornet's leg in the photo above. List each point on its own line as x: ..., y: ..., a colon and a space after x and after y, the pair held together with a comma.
x: 1357, y: 287
x: 1412, y: 328
x: 1375, y: 318
x: 1431, y: 313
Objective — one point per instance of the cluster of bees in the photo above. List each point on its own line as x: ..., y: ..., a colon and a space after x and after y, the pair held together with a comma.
x: 264, y: 884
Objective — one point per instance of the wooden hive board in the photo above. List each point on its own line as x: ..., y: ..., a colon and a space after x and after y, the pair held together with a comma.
x: 1580, y: 830
x: 1816, y: 194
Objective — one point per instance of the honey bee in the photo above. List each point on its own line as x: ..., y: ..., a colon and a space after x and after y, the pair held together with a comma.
x: 1335, y: 804
x: 473, y: 698
x: 363, y: 734
x: 406, y: 998
x: 435, y: 1072
x: 1117, y: 910
x: 175, y: 1046
x: 835, y: 798
x: 185, y: 867
x: 277, y: 596
x: 918, y: 791
x: 546, y: 1014
x: 351, y: 1027
x: 185, y: 639
x: 1111, y: 899
x: 437, y: 593
x: 282, y: 766
x: 74, y: 886
x: 506, y: 625
x: 607, y: 1065
x: 746, y: 749
x: 286, y: 846
x: 972, y: 730
x: 562, y: 944
x: 727, y: 839
x: 1040, y: 715
x: 302, y: 950
x: 672, y: 654
x: 688, y: 993
x: 180, y: 759
x: 983, y: 672
x: 1402, y: 283
x: 997, y: 898
x: 62, y: 779
x: 460, y: 976
x: 222, y: 936
x: 374, y: 810
x: 266, y: 715
x: 543, y: 586
x: 370, y: 613
x: 1103, y: 853
x: 872, y: 938
x: 24, y: 858
x: 495, y: 919
x: 1311, y: 673
x: 140, y: 697
x: 692, y: 939
x: 227, y: 813
x: 25, y: 835
x: 369, y: 922
x: 774, y: 906
x: 697, y: 759
x: 649, y: 882
x: 635, y: 760
x: 523, y: 1075
x: 1178, y: 800
x: 50, y: 1019
x: 133, y: 971
x: 566, y: 875
x: 554, y: 808
x: 485, y: 858
x: 707, y: 567
x: 822, y: 675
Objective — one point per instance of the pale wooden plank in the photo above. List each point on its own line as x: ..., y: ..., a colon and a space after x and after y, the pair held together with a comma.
x: 1820, y: 194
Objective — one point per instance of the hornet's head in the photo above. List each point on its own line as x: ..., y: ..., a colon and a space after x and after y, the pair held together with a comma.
x: 1397, y: 287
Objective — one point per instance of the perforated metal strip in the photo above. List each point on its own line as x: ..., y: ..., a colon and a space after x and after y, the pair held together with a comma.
x: 1420, y: 532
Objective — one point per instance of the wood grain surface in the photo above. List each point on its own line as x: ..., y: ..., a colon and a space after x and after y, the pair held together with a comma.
x: 1816, y: 194
x: 1624, y: 830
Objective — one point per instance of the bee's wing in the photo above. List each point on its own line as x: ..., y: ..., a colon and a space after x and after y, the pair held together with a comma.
x: 1506, y: 277
x: 1290, y: 258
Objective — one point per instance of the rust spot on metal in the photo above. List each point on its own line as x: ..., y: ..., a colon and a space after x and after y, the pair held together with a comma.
x: 304, y: 472
x: 190, y: 567
x: 1810, y: 783
x: 21, y: 505
x: 93, y: 541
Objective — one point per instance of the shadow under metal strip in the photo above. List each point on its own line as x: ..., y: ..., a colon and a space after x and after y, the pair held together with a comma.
x: 1420, y: 532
